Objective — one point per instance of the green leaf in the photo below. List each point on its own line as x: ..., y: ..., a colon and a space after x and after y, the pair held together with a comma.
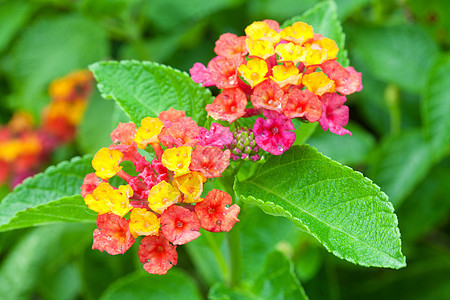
x: 396, y: 54
x: 277, y: 281
x: 399, y: 163
x: 261, y: 234
x: 41, y: 252
x: 95, y: 129
x: 48, y: 49
x: 344, y: 149
x: 141, y: 285
x: 67, y: 209
x: 436, y: 105
x: 62, y: 180
x: 323, y: 18
x: 145, y: 89
x: 13, y: 15
x: 345, y: 211
x: 178, y: 14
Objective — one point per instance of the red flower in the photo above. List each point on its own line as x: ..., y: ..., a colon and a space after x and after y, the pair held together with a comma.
x: 209, y: 160
x: 224, y: 70
x: 180, y: 225
x: 334, y: 114
x: 229, y: 44
x: 213, y: 213
x: 268, y: 95
x: 347, y: 80
x: 228, y: 105
x: 157, y: 254
x: 303, y: 104
x: 112, y: 235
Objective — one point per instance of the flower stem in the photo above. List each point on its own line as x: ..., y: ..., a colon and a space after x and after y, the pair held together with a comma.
x: 234, y: 245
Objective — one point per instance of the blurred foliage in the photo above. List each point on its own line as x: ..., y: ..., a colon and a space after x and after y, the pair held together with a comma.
x: 399, y: 120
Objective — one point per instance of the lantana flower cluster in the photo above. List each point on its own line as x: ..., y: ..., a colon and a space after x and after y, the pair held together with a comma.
x: 161, y: 200
x: 283, y: 73
x: 24, y: 148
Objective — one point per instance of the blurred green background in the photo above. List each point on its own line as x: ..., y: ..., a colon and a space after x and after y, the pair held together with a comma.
x: 399, y: 121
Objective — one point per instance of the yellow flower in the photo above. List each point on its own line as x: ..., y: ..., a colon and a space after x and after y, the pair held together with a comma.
x: 143, y: 222
x: 162, y: 195
x: 191, y: 185
x: 318, y: 83
x: 261, y: 31
x: 285, y: 74
x: 106, y: 163
x: 105, y: 199
x: 291, y: 52
x: 177, y: 159
x: 298, y: 33
x: 320, y: 50
x: 148, y: 132
x: 254, y: 72
x: 260, y: 48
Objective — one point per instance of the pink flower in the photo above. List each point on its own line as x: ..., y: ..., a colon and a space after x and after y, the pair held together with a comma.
x: 273, y: 135
x: 347, y: 80
x: 218, y: 136
x: 180, y: 225
x: 91, y: 181
x: 229, y: 44
x: 224, y: 70
x: 214, y: 213
x: 334, y: 114
x: 200, y: 74
x: 303, y: 104
x: 112, y: 235
x: 157, y: 254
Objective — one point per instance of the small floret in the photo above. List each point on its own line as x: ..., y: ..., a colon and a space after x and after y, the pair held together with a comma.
x: 298, y: 33
x: 177, y: 159
x: 334, y: 114
x: 210, y: 160
x: 148, y: 132
x: 112, y: 235
x: 157, y: 254
x: 318, y: 83
x: 228, y: 105
x: 214, y: 212
x: 191, y: 185
x: 268, y: 95
x: 180, y: 225
x: 254, y: 71
x: 229, y: 44
x: 303, y: 104
x: 200, y: 74
x: 106, y: 163
x: 162, y: 195
x: 143, y: 222
x: 274, y: 134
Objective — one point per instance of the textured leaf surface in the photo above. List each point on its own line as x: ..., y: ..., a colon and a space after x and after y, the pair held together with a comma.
x: 345, y: 211
x: 436, y: 104
x: 62, y: 180
x: 145, y: 89
x: 323, y: 18
x: 141, y: 285
x: 67, y: 209
x: 277, y: 281
x: 389, y: 52
x: 400, y: 163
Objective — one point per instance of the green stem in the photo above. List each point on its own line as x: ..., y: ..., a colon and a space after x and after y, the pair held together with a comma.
x: 392, y: 98
x: 234, y: 245
x: 218, y: 254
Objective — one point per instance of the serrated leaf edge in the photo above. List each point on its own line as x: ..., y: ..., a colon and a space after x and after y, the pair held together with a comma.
x: 384, y: 197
